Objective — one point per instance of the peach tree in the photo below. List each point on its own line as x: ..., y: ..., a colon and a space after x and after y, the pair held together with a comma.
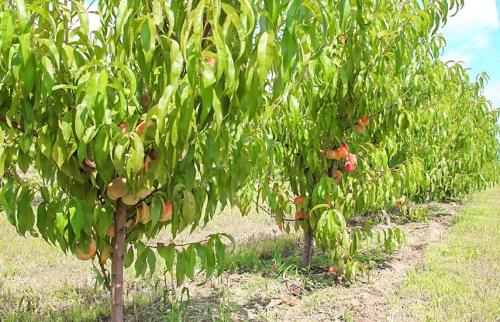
x: 147, y: 121
x: 368, y: 127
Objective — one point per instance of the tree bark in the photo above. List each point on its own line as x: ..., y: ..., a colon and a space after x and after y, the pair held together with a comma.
x: 308, y: 243
x: 117, y: 264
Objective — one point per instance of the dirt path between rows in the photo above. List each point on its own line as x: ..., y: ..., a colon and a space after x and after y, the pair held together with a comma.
x: 257, y: 298
x: 374, y: 297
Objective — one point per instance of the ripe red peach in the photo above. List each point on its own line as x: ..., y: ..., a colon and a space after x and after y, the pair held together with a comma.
x: 364, y: 120
x: 352, y: 158
x: 349, y: 167
x: 167, y: 213
x: 331, y: 155
x: 301, y: 214
x: 342, y: 152
x: 298, y: 201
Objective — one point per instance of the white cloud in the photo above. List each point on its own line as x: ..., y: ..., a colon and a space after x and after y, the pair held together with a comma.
x: 475, y: 15
x: 459, y: 56
x: 471, y: 29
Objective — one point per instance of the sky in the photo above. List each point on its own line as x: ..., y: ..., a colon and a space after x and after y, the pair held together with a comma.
x: 473, y: 37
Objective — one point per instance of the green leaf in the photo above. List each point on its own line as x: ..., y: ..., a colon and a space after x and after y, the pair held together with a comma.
x: 76, y: 218
x: 25, y: 215
x: 220, y: 253
x: 129, y: 257
x: 136, y: 159
x: 105, y: 219
x: 148, y: 39
x: 188, y: 207
x: 80, y: 121
x: 180, y: 273
x: 151, y: 258
x: 189, y: 257
x: 156, y: 209
x: 168, y: 255
x: 264, y: 56
x: 140, y: 261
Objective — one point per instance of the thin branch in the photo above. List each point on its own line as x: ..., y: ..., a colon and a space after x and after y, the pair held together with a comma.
x: 105, y: 273
x: 271, y: 214
x: 12, y: 124
x: 177, y: 245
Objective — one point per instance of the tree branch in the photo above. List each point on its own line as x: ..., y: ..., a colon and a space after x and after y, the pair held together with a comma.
x: 14, y: 124
x: 269, y: 213
x: 105, y: 273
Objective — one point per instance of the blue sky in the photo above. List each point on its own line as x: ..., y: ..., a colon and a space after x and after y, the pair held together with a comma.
x: 473, y: 36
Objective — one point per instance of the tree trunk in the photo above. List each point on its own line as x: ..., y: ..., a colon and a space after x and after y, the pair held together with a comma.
x: 117, y: 264
x: 307, y: 250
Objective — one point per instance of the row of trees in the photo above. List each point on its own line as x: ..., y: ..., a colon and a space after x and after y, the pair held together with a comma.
x: 380, y: 91
x: 317, y: 110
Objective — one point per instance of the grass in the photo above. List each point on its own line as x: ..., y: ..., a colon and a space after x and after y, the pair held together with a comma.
x: 460, y: 278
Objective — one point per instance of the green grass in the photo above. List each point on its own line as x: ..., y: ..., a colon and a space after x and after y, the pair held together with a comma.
x: 460, y: 278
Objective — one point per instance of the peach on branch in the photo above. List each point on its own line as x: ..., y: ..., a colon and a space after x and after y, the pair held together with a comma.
x: 301, y: 214
x: 143, y: 193
x: 359, y: 128
x: 342, y: 151
x: 167, y: 212
x: 364, y: 120
x: 105, y: 254
x: 145, y: 213
x: 111, y: 231
x: 83, y: 254
x: 143, y: 126
x: 349, y: 167
x: 330, y: 154
x: 352, y: 158
x: 130, y: 200
x: 298, y: 201
x: 117, y: 188
x: 138, y: 214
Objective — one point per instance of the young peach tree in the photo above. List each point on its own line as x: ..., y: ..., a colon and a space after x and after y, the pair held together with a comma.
x: 148, y: 121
